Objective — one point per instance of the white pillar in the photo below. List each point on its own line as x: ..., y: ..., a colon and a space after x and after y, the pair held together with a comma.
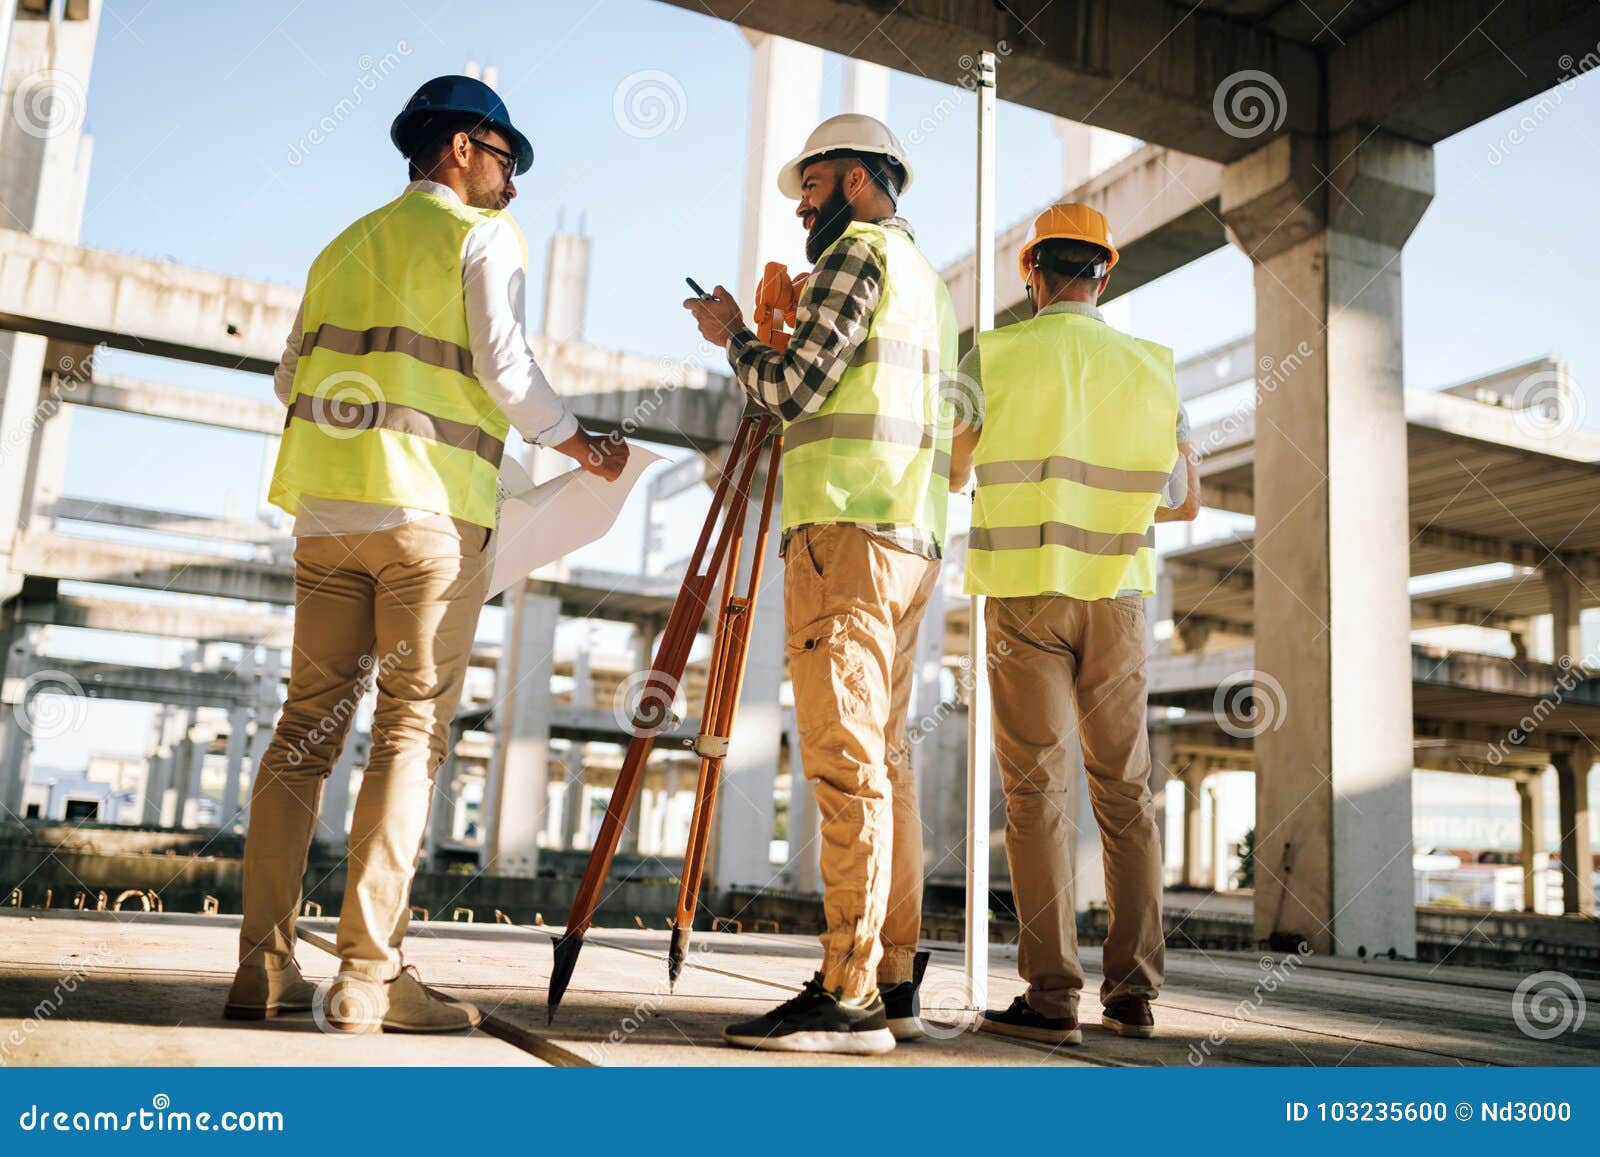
x: 566, y: 286
x: 804, y: 850
x: 785, y: 104
x: 1530, y: 807
x: 866, y: 89
x: 741, y: 847
x: 442, y: 810
x: 1333, y: 617
x: 519, y: 773
x: 333, y: 819
x: 44, y: 167
x: 268, y: 676
x: 238, y: 748
x: 1577, y: 848
x: 574, y: 805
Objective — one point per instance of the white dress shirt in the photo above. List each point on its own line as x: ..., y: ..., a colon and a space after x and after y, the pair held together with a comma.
x: 492, y: 278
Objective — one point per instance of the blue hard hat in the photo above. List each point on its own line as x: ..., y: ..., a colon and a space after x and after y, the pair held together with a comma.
x: 464, y: 95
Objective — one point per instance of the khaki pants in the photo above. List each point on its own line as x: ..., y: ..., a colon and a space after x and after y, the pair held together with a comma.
x: 1062, y: 671
x: 399, y: 606
x: 852, y: 604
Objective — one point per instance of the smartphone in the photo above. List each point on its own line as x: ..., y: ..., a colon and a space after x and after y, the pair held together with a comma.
x: 700, y: 293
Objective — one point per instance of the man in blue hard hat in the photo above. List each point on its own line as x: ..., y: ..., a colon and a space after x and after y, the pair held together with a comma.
x: 403, y: 376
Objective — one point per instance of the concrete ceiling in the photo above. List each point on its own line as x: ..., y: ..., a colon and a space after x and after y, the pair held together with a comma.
x: 1152, y: 69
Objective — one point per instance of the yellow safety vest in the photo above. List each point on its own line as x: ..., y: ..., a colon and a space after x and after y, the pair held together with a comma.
x: 385, y: 407
x: 877, y: 451
x: 1078, y: 439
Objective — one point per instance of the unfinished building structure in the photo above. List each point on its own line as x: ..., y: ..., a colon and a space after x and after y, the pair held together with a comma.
x: 1354, y: 484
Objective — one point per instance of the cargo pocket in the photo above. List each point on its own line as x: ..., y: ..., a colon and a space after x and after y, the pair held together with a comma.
x: 828, y: 670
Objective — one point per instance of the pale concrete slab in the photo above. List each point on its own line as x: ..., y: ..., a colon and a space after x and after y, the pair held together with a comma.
x: 87, y: 988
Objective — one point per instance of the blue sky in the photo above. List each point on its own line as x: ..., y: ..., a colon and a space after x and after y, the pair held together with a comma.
x: 202, y: 116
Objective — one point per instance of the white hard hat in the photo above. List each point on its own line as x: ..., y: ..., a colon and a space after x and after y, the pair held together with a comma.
x: 854, y: 131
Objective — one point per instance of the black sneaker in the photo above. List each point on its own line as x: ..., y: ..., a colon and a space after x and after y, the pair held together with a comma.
x: 1129, y: 1016
x: 900, y: 1004
x: 1022, y: 1022
x: 816, y: 1021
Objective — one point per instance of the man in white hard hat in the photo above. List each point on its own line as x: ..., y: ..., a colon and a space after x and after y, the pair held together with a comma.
x: 1079, y: 445
x: 865, y: 467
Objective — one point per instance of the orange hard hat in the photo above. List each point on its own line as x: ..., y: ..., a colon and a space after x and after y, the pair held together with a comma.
x: 1068, y: 221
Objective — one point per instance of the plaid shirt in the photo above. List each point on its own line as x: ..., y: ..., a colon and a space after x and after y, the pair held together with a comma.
x: 832, y: 321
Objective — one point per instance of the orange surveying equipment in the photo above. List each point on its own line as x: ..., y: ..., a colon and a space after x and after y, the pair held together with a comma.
x: 718, y: 551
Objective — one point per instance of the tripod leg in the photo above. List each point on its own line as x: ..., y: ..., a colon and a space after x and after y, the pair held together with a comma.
x: 672, y: 656
x: 730, y: 653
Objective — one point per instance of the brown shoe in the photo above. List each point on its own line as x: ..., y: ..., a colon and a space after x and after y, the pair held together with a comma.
x: 259, y: 992
x: 356, y: 1004
x: 1129, y: 1016
x: 1021, y: 1022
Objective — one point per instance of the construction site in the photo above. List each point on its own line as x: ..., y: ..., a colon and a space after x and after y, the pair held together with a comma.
x: 1389, y: 582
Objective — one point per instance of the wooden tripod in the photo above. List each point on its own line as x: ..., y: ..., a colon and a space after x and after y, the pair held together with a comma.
x: 718, y: 552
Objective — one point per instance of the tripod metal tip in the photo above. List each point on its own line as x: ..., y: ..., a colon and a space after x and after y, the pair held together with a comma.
x: 566, y: 949
x: 677, y: 953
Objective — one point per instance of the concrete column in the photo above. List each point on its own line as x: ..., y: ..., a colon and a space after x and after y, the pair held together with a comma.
x: 805, y: 852
x: 1530, y: 803
x: 238, y: 748
x: 42, y: 179
x: 333, y: 820
x: 1332, y: 533
x: 1194, y: 832
x: 1162, y: 773
x: 574, y: 808
x: 927, y: 693
x: 566, y: 286
x: 785, y: 105
x: 1566, y: 615
x: 442, y: 810
x: 742, y: 837
x: 518, y: 793
x: 268, y: 677
x: 16, y: 739
x: 1577, y: 850
x: 866, y: 89
x: 662, y: 839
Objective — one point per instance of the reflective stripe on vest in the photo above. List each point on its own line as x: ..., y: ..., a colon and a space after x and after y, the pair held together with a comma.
x: 1078, y: 441
x: 877, y: 450
x: 384, y: 406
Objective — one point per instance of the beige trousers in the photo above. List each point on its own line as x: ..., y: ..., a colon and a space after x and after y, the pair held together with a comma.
x: 398, y: 606
x: 1066, y: 671
x: 852, y: 604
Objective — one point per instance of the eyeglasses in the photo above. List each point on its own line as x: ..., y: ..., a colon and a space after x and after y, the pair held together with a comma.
x: 508, y: 161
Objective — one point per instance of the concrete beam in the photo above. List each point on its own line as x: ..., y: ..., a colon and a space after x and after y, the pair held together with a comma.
x: 201, y: 624
x: 1430, y: 68
x: 76, y: 294
x: 172, y: 686
x: 1146, y: 68
x: 175, y: 403
x: 1162, y: 206
x: 58, y: 556
x: 163, y: 521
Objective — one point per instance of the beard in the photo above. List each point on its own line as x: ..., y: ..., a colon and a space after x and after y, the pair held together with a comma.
x: 832, y: 220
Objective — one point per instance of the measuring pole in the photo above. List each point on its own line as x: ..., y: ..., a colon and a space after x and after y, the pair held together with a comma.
x: 978, y: 735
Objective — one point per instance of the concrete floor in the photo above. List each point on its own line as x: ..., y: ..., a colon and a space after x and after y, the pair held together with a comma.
x: 152, y: 987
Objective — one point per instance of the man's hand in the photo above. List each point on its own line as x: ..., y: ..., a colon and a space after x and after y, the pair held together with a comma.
x: 605, y: 456
x: 717, y: 318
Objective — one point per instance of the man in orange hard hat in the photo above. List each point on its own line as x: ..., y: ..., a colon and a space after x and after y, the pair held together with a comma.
x: 1079, y: 446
